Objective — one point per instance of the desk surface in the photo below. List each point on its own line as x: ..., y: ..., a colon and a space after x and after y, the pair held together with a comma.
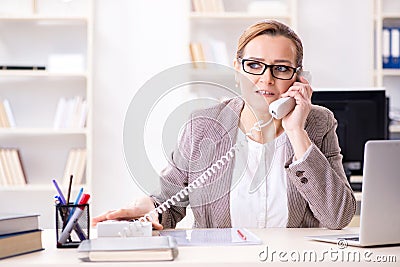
x: 280, y: 244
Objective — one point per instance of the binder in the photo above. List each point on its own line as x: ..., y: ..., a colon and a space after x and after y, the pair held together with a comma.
x: 391, y: 47
x: 395, y: 47
x: 386, y: 48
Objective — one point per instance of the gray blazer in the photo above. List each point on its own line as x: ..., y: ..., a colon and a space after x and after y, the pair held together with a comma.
x: 317, y: 189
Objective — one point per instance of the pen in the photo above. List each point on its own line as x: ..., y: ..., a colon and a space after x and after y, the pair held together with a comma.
x: 78, y: 197
x: 62, y: 201
x: 242, y: 236
x: 57, y: 200
x: 59, y: 192
x: 69, y: 188
x: 74, y: 219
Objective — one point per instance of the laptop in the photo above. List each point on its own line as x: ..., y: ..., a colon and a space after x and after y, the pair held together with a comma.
x: 380, y: 216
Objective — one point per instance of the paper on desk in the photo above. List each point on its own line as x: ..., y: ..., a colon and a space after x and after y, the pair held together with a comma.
x: 213, y: 237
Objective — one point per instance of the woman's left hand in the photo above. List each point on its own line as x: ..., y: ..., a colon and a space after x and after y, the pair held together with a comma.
x: 301, y: 92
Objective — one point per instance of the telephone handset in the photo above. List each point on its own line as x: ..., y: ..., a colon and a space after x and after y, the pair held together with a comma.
x: 281, y: 107
x: 304, y: 73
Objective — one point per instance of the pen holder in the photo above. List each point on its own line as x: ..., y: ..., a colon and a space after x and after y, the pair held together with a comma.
x: 72, y: 225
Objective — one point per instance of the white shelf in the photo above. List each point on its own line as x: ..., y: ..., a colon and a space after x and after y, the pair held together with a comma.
x: 43, y: 18
x: 40, y: 73
x: 395, y: 128
x: 217, y: 70
x: 392, y: 15
x: 383, y: 16
x: 35, y: 188
x: 41, y: 131
x: 234, y: 15
x: 391, y: 72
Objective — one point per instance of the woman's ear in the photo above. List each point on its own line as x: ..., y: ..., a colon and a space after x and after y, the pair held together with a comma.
x: 236, y: 64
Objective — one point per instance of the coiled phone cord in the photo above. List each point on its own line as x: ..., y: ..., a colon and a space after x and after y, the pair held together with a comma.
x: 205, y: 175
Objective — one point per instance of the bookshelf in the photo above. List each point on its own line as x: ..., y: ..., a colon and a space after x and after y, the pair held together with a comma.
x: 56, y: 35
x: 217, y: 24
x: 214, y: 29
x: 386, y: 14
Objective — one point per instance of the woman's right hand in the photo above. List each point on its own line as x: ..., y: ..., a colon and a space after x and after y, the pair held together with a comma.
x: 137, y: 209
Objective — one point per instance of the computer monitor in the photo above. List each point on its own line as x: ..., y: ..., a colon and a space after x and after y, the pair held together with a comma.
x: 362, y: 115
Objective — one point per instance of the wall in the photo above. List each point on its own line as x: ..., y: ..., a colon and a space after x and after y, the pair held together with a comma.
x: 338, y: 41
x: 136, y: 39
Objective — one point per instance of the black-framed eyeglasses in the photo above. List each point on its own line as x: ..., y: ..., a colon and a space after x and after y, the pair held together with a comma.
x: 281, y: 72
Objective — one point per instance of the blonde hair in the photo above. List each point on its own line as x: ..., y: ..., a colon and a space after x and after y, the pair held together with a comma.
x: 272, y: 28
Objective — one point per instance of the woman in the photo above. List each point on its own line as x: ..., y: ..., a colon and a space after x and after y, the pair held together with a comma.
x: 290, y: 174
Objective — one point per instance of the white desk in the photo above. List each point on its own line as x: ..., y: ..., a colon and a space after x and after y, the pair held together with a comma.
x: 280, y: 240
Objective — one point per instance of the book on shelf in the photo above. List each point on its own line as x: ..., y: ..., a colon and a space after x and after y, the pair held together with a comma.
x: 208, y: 6
x: 6, y: 115
x: 4, y: 170
x: 75, y: 165
x: 197, y: 54
x: 3, y: 117
x: 9, y: 113
x: 11, y: 223
x: 19, y: 234
x: 15, y: 244
x: 71, y: 113
x: 110, y: 249
x: 11, y: 167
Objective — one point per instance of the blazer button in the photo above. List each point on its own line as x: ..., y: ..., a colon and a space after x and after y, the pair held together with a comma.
x: 304, y: 180
x: 299, y: 173
x: 287, y: 165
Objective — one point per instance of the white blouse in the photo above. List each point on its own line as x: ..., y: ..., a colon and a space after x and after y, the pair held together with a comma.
x: 258, y: 196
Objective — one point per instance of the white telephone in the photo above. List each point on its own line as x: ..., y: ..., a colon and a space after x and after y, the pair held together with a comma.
x: 124, y: 228
x: 281, y: 107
